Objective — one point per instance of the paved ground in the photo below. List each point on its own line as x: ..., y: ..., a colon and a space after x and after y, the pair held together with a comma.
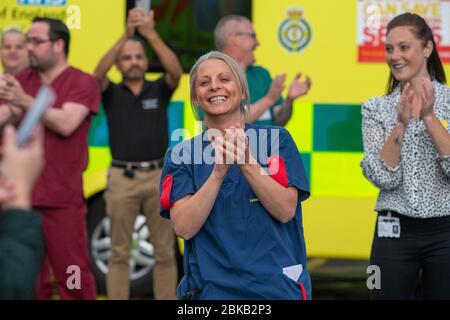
x: 339, y: 279
x: 331, y: 280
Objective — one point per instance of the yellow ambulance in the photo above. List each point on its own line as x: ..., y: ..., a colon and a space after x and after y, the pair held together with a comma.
x: 339, y: 44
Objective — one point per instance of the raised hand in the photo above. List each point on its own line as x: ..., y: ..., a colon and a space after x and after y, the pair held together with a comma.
x: 11, y: 90
x: 3, y: 85
x: 3, y: 82
x: 221, y: 167
x: 404, y: 107
x: 427, y: 98
x: 276, y: 87
x: 243, y: 154
x: 7, y: 192
x: 21, y: 167
x: 233, y: 148
x: 299, y: 88
x: 15, y: 111
x: 146, y: 23
x: 133, y: 20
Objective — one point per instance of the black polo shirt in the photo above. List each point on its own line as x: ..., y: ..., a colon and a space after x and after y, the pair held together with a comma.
x: 137, y: 124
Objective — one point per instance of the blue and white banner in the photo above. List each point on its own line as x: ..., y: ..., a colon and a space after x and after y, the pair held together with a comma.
x: 55, y: 3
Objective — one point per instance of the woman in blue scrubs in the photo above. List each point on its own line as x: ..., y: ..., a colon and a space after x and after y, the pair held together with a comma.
x: 234, y: 194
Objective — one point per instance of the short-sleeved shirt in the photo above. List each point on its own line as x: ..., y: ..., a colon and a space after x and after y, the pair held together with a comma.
x: 241, y: 251
x: 259, y: 81
x: 138, y: 123
x: 60, y: 183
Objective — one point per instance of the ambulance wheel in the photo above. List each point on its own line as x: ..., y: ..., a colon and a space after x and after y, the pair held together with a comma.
x: 141, y: 256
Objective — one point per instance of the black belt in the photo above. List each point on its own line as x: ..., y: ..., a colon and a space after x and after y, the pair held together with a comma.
x: 394, y: 214
x: 144, y: 165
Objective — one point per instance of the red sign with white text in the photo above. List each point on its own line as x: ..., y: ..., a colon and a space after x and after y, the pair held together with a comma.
x: 374, y: 15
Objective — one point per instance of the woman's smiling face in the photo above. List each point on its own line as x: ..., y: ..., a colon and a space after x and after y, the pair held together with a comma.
x: 406, y: 55
x: 216, y: 88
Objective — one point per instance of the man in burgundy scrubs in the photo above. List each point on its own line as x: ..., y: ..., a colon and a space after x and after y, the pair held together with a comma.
x: 58, y: 194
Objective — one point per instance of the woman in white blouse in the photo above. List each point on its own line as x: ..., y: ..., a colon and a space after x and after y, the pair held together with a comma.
x: 407, y: 156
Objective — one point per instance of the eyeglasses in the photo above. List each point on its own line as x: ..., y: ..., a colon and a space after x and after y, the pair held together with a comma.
x: 250, y: 34
x: 37, y: 42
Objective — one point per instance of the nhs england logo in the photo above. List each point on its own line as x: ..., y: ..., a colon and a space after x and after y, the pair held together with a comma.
x: 54, y: 3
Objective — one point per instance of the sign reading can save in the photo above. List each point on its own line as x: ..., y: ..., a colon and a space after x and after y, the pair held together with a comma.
x: 374, y: 15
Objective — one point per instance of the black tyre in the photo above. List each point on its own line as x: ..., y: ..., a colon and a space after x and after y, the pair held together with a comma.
x: 141, y: 256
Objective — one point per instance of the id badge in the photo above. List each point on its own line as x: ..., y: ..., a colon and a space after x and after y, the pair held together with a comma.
x: 388, y: 227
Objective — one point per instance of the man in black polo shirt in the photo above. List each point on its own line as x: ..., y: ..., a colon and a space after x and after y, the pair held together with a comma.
x: 136, y: 112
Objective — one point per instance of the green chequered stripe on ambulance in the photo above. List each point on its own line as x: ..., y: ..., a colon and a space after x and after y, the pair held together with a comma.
x: 339, y: 216
x: 330, y: 142
x: 327, y: 135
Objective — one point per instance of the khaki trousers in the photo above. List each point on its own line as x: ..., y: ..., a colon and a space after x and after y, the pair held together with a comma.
x: 125, y: 198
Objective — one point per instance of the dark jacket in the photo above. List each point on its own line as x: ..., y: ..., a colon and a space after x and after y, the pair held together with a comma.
x: 21, y: 253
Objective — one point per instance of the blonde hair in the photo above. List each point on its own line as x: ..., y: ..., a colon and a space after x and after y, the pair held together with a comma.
x: 10, y: 30
x: 235, y: 69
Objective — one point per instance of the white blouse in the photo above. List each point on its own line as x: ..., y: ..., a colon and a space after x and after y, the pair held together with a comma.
x: 419, y: 186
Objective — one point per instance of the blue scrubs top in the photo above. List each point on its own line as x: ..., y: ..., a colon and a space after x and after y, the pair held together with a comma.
x: 241, y: 252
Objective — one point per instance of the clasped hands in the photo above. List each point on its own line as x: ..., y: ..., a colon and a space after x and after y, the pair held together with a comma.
x: 231, y: 147
x: 143, y: 22
x: 12, y: 92
x: 416, y: 103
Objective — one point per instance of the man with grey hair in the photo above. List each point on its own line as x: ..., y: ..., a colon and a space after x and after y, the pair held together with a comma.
x: 234, y: 35
x: 13, y: 51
